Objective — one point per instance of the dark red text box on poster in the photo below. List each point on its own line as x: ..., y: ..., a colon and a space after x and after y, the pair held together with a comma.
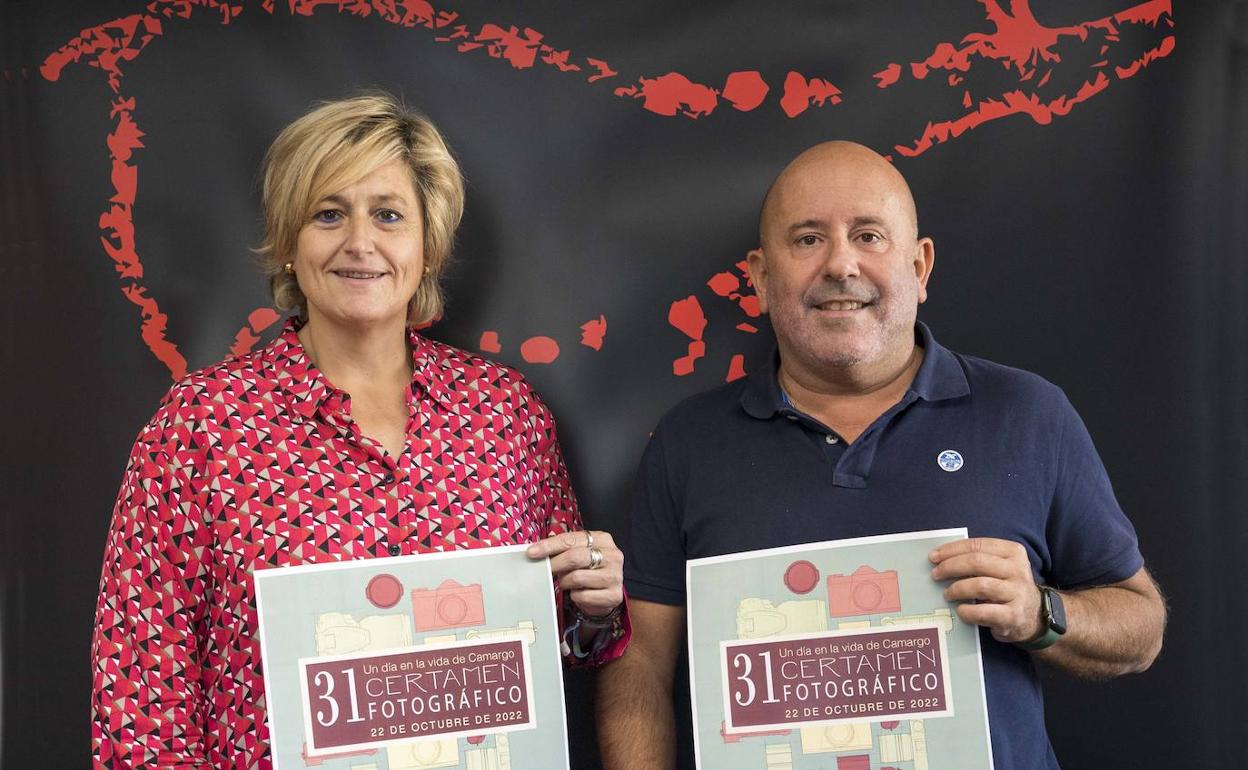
x: 476, y: 688
x: 862, y: 675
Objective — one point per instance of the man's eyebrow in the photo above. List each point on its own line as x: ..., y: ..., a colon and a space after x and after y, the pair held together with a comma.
x: 820, y: 224
x: 868, y: 220
x: 816, y: 224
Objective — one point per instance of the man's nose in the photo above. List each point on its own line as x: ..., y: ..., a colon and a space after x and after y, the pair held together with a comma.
x: 841, y: 260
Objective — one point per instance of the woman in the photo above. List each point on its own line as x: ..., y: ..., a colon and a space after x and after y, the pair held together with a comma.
x: 350, y: 436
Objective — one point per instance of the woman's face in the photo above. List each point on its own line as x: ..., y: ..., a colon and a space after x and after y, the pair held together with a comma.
x: 360, y: 255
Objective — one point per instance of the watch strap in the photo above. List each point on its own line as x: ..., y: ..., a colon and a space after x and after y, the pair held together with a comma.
x: 1054, y: 628
x: 1047, y: 639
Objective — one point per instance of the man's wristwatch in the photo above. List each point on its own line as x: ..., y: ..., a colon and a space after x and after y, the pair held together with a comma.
x: 1053, y: 615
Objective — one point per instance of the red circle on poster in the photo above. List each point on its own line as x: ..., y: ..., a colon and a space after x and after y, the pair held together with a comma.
x: 384, y: 591
x: 801, y: 577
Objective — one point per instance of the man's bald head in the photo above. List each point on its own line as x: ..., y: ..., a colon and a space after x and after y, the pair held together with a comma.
x: 839, y: 164
x: 841, y: 270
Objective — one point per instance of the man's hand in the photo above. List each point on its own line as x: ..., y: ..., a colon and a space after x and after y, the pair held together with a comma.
x: 1111, y: 630
x: 595, y: 589
x: 993, y: 580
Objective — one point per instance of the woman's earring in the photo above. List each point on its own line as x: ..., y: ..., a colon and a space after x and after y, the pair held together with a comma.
x: 289, y: 268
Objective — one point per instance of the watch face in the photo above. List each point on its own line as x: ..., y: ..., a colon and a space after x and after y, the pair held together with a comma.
x: 1054, y: 610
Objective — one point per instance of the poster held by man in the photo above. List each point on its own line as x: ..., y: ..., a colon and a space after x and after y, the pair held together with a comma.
x: 842, y: 647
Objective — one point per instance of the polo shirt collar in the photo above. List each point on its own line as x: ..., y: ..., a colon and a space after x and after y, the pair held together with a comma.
x: 762, y: 397
x: 940, y: 377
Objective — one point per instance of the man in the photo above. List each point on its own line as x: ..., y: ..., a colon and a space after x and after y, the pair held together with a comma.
x: 866, y: 425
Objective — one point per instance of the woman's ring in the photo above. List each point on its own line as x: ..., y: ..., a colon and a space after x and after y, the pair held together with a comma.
x: 589, y: 539
x: 595, y: 558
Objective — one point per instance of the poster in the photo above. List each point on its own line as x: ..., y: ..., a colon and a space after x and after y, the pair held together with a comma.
x: 840, y: 654
x: 442, y: 660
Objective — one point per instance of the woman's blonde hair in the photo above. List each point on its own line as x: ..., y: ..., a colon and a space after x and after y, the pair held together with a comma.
x: 336, y: 145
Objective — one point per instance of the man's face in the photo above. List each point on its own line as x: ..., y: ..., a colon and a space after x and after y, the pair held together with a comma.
x: 841, y: 270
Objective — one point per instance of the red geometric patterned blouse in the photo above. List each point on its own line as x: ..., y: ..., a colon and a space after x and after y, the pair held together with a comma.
x: 256, y: 462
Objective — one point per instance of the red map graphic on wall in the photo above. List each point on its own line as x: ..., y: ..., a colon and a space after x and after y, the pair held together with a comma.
x: 1011, y: 40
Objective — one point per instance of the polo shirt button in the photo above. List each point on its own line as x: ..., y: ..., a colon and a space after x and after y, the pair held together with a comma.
x: 830, y: 438
x: 389, y: 479
x: 395, y: 550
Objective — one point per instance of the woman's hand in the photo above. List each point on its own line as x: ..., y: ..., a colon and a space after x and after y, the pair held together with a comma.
x: 588, y: 566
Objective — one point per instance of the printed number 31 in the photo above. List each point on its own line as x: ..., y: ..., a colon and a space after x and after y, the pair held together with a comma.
x: 743, y: 662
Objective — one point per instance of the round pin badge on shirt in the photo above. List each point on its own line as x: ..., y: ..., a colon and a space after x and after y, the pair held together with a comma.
x: 949, y: 460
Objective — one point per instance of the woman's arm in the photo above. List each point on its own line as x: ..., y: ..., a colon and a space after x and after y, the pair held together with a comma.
x: 592, y: 595
x: 146, y: 697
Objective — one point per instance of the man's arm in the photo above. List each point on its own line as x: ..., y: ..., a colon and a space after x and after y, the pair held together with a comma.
x: 1111, y: 630
x: 636, y: 726
x: 1114, y: 629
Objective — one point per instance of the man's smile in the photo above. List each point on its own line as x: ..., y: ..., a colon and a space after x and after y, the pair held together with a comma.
x: 842, y: 304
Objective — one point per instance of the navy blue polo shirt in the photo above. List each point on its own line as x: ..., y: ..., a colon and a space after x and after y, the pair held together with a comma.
x: 737, y: 468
